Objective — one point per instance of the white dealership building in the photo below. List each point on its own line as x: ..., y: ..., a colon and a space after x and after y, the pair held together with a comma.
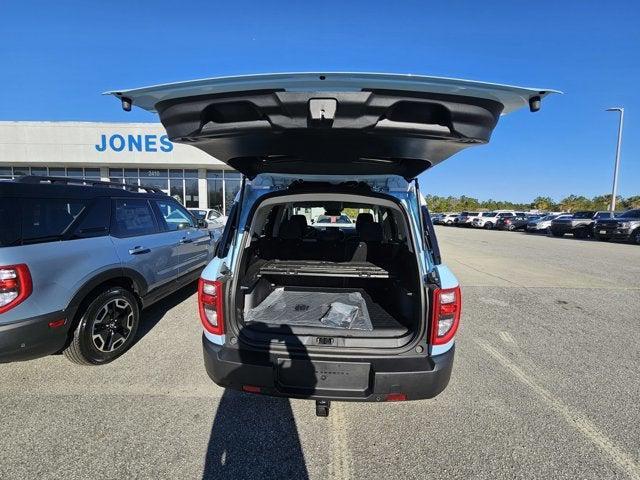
x: 134, y: 153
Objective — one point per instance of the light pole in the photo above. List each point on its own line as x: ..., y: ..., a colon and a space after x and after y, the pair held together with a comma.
x: 617, y: 165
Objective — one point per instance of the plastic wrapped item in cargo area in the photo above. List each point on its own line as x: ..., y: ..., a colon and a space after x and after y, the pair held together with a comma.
x: 342, y: 310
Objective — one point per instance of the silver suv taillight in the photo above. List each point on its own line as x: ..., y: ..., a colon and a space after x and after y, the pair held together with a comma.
x: 210, y: 306
x: 15, y: 286
x: 447, y: 306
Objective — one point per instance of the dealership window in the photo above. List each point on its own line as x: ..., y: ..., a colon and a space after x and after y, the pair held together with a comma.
x: 222, y: 187
x: 181, y: 184
x: 215, y: 190
x: 231, y: 188
x: 75, y: 172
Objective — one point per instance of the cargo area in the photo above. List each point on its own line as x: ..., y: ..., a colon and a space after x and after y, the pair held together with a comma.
x: 334, y: 268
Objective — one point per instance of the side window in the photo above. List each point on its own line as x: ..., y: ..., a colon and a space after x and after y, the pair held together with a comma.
x: 48, y: 218
x: 9, y: 222
x: 175, y: 216
x: 132, y: 218
x: 96, y: 221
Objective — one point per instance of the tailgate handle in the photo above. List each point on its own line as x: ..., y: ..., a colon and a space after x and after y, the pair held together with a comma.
x: 323, y: 110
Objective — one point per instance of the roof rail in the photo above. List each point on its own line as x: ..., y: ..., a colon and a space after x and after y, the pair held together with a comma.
x: 85, y: 182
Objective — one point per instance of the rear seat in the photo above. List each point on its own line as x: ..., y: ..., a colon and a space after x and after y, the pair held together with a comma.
x: 294, y: 243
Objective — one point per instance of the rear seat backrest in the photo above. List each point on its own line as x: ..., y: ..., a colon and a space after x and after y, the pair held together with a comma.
x: 371, y: 233
x: 300, y: 220
x: 363, y: 219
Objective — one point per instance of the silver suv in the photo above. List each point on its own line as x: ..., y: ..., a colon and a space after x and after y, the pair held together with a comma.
x: 79, y: 260
x: 364, y: 310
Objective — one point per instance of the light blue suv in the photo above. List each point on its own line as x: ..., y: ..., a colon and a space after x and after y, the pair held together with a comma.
x: 291, y: 306
x: 80, y: 259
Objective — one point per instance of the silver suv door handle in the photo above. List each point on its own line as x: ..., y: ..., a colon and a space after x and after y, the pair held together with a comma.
x: 186, y: 240
x: 138, y: 250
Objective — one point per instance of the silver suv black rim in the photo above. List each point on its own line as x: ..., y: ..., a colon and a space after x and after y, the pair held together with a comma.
x: 112, y: 325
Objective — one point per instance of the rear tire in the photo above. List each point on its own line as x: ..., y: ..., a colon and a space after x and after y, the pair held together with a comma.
x: 511, y: 228
x: 635, y: 236
x: 107, y: 328
x: 488, y: 226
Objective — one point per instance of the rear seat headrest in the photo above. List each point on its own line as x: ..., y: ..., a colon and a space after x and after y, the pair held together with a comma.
x: 300, y: 220
x: 371, y: 232
x: 290, y: 230
x: 362, y: 219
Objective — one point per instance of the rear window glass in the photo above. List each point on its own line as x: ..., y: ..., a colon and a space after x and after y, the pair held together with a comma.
x: 583, y: 215
x: 48, y: 218
x: 133, y: 217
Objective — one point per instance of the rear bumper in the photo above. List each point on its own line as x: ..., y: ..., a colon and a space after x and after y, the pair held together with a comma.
x: 353, y: 379
x: 32, y: 338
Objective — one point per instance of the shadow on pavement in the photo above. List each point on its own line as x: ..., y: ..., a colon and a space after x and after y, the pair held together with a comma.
x: 151, y: 316
x: 255, y: 436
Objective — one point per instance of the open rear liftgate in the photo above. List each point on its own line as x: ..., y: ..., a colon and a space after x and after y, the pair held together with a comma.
x: 331, y: 124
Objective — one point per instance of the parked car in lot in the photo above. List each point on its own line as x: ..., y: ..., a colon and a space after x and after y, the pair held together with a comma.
x: 332, y: 221
x: 214, y: 218
x: 435, y: 218
x: 489, y: 220
x: 465, y: 219
x: 512, y: 222
x: 625, y: 226
x: 580, y: 224
x: 80, y: 259
x: 367, y: 313
x: 542, y: 224
x: 447, y: 219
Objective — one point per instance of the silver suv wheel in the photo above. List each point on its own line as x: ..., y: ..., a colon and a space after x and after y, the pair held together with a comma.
x: 112, y: 325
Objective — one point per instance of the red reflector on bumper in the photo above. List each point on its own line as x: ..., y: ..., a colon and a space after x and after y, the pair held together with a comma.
x: 395, y: 397
x: 58, y: 323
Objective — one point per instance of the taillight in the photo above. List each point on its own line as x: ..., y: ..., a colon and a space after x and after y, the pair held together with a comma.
x: 447, y: 305
x: 15, y: 286
x: 210, y: 306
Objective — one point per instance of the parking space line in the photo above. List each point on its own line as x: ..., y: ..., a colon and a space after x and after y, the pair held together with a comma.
x: 484, y: 272
x: 573, y: 417
x: 341, y: 462
x: 507, y: 338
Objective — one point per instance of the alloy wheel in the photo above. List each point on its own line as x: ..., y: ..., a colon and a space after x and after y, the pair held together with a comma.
x: 112, y: 325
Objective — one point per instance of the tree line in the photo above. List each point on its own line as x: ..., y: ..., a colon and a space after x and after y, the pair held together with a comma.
x: 571, y: 203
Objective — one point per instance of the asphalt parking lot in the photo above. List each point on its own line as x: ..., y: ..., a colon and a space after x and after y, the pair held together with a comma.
x: 545, y: 385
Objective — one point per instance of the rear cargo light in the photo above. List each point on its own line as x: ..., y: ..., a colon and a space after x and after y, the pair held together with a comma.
x: 15, y: 286
x: 447, y: 305
x: 210, y: 306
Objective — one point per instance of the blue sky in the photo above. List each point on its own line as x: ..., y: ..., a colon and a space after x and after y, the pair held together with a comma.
x: 58, y: 57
